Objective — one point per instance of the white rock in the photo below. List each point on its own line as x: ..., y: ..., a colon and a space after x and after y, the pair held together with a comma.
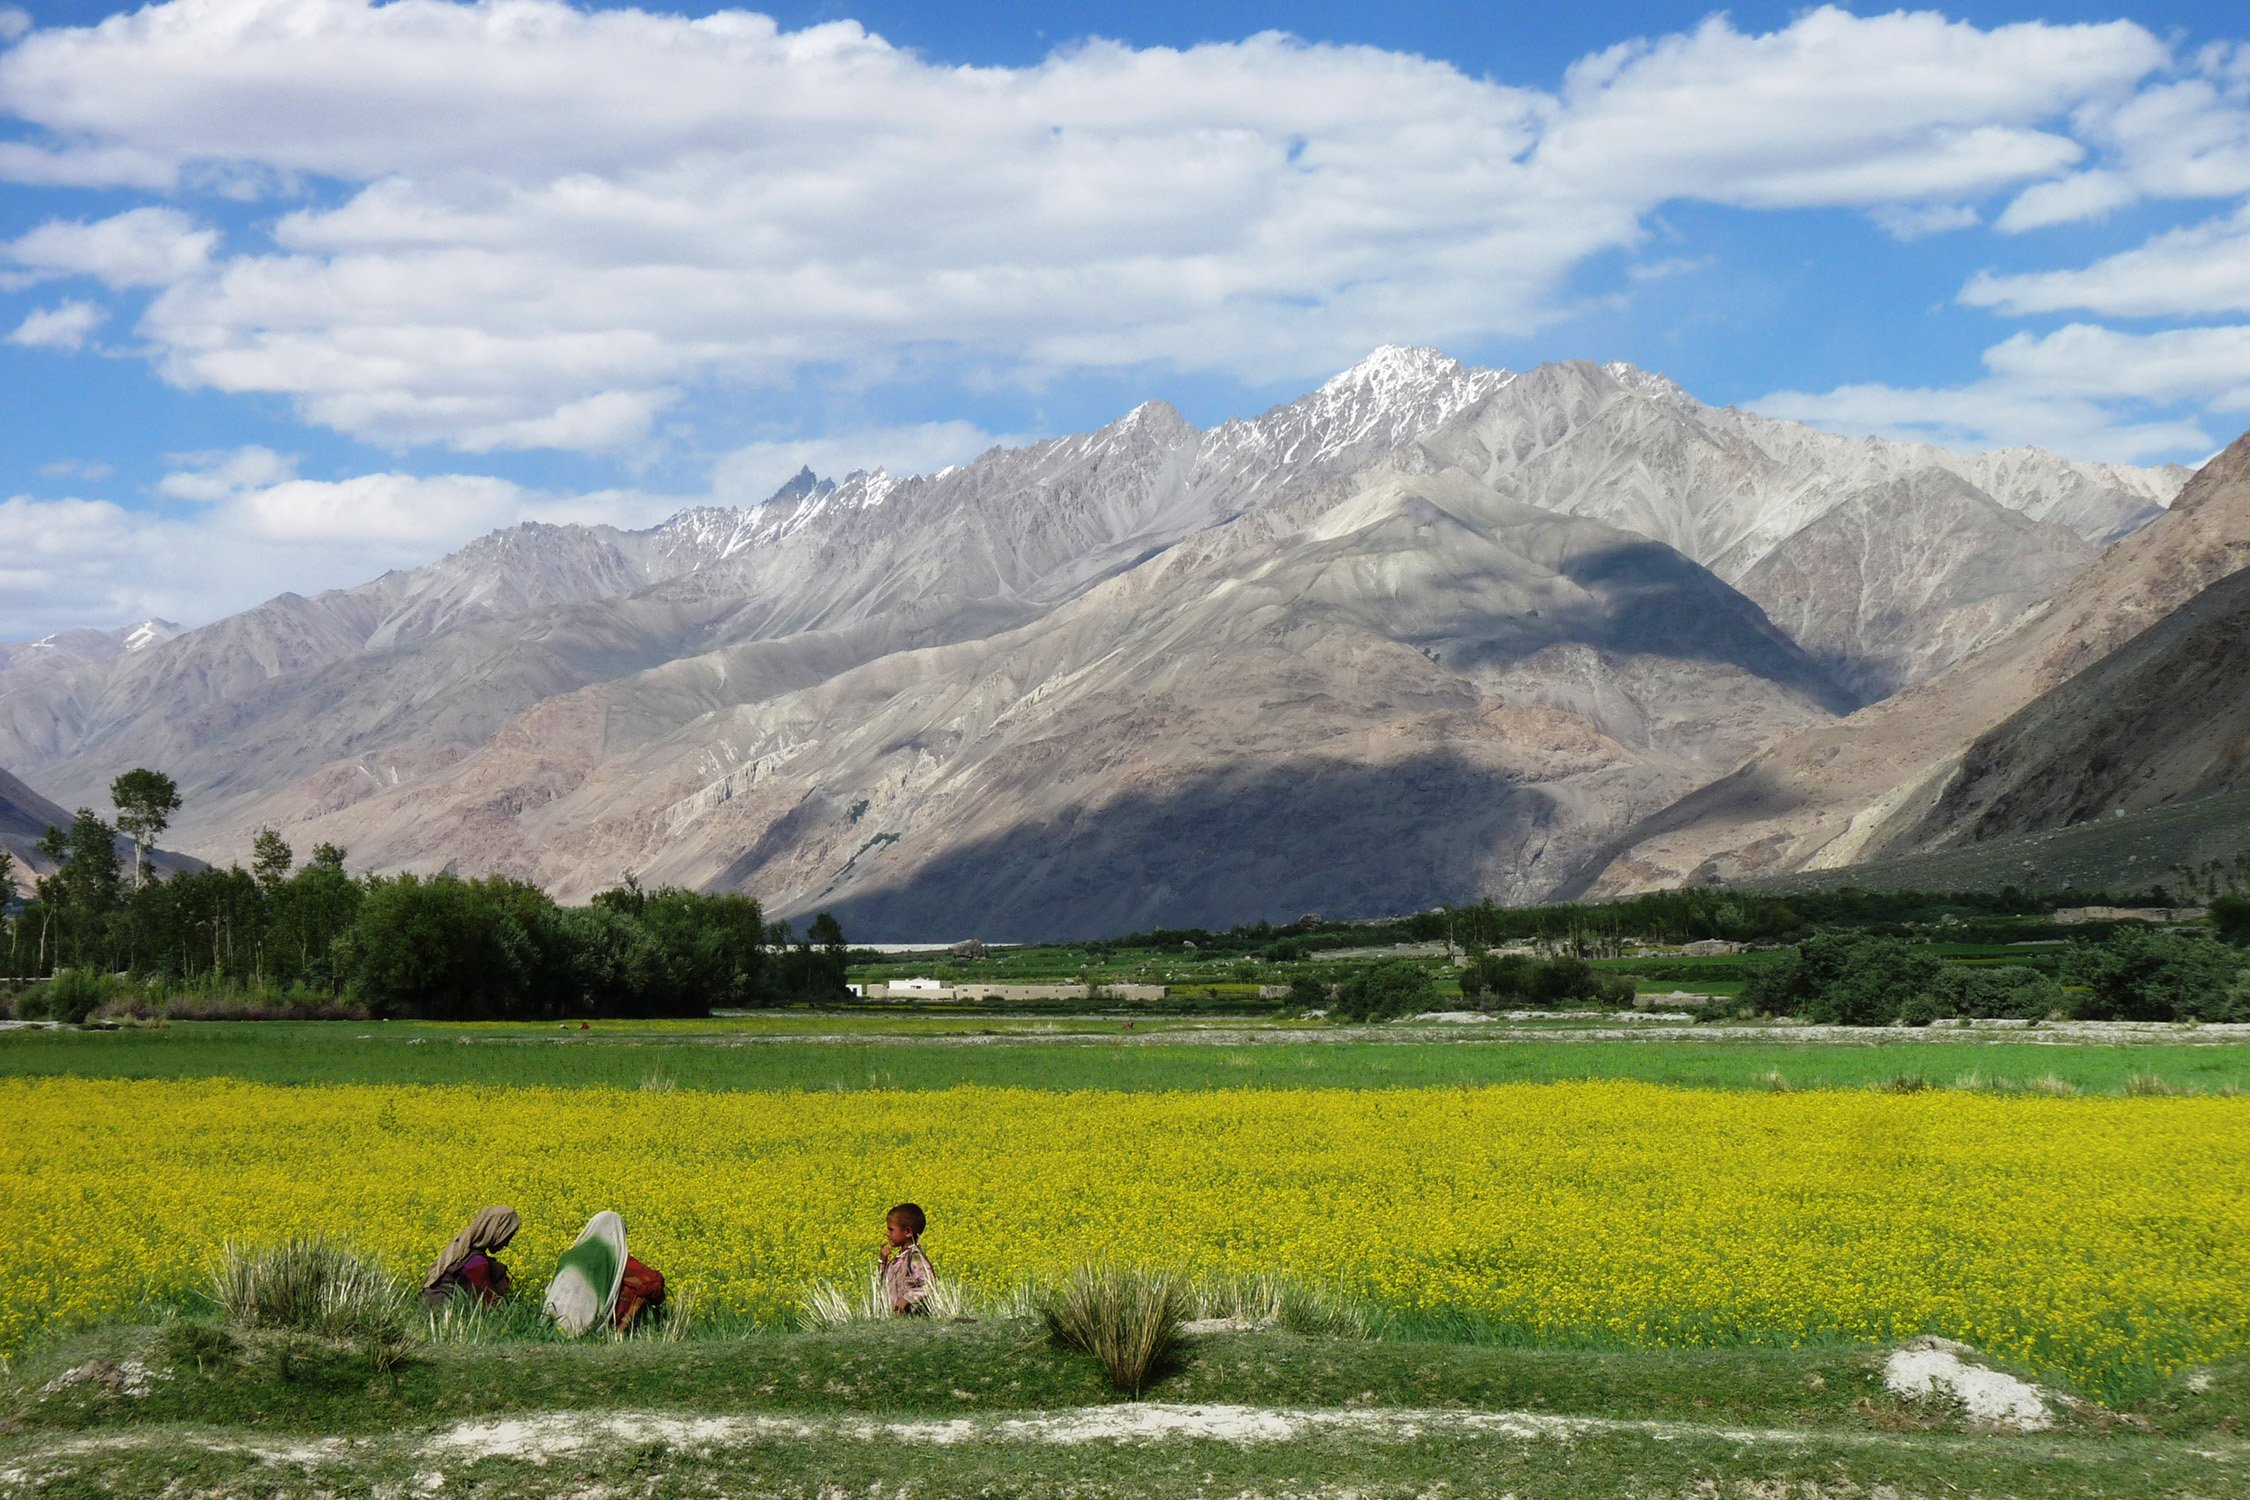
x: 1933, y: 1368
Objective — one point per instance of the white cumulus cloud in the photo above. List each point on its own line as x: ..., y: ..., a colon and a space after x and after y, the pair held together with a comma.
x: 223, y: 474
x: 2182, y: 273
x: 64, y: 326
x: 140, y: 247
x: 2084, y: 391
x: 76, y: 561
x: 535, y: 226
x: 2066, y: 200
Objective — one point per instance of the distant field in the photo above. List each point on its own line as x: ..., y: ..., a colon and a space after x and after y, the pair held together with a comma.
x: 852, y: 1053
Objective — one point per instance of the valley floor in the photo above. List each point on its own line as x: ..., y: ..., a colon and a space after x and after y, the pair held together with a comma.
x: 2050, y: 1218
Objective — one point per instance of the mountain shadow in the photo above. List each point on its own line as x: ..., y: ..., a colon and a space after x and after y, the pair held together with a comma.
x: 1271, y: 842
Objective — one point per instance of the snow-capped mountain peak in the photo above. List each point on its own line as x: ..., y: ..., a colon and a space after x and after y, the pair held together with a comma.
x: 1396, y: 367
x: 1391, y: 396
x: 150, y: 632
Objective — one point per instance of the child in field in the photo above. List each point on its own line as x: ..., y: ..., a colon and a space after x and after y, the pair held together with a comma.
x: 905, y: 1270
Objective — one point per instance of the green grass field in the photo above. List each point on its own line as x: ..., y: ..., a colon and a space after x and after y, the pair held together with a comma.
x: 826, y: 1053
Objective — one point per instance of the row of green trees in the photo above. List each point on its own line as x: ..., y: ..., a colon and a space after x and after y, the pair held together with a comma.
x: 1676, y: 916
x: 2137, y: 973
x: 1387, y: 990
x: 436, y: 947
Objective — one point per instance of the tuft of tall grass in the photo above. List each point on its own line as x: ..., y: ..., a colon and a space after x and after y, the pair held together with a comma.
x: 1127, y: 1319
x: 310, y: 1286
x: 463, y: 1319
x: 1275, y: 1302
x: 827, y: 1305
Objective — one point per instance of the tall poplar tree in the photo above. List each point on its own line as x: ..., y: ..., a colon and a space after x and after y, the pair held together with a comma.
x: 145, y: 802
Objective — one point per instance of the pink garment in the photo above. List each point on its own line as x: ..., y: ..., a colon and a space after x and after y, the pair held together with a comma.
x: 906, y: 1279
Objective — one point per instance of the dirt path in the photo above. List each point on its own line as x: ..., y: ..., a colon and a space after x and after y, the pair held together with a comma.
x: 1137, y: 1450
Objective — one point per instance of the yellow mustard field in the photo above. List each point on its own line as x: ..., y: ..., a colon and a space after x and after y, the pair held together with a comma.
x: 2102, y: 1240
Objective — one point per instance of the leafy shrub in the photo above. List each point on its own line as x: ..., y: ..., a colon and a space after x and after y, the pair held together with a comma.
x: 1839, y: 980
x: 1519, y: 979
x: 1921, y: 1010
x: 70, y: 997
x: 2137, y: 974
x: 1873, y: 984
x: 450, y: 949
x: 1307, y: 993
x: 2145, y: 974
x: 2005, y: 990
x: 1385, y: 991
x: 2230, y: 918
x: 1127, y: 1319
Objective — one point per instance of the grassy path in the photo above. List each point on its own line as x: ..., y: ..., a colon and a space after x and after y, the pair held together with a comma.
x: 1371, y: 1454
x: 990, y: 1408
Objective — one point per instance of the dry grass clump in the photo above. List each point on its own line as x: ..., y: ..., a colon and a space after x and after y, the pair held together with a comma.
x: 827, y: 1305
x: 1275, y: 1302
x: 1127, y: 1319
x: 309, y: 1286
x: 309, y: 1291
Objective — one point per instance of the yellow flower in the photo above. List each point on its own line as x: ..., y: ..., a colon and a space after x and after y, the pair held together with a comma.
x: 2093, y: 1238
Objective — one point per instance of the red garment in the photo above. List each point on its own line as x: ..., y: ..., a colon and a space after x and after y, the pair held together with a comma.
x: 486, y: 1277
x: 480, y: 1276
x: 643, y: 1286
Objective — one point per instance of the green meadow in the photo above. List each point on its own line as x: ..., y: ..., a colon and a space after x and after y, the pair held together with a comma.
x: 828, y: 1052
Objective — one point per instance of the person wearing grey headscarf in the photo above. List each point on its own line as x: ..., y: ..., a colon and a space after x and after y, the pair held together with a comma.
x: 469, y: 1264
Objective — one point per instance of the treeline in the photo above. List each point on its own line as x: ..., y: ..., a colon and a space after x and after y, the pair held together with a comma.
x: 1389, y: 990
x: 313, y: 939
x: 2137, y: 973
x: 1678, y: 916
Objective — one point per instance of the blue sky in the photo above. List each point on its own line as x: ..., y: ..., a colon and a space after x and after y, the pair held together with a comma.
x: 292, y: 291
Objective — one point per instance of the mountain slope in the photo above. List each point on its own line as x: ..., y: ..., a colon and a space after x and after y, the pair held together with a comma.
x: 1734, y: 491
x: 23, y: 662
x: 25, y: 817
x: 1400, y: 687
x: 1897, y: 581
x: 1842, y: 793
x: 2163, y: 719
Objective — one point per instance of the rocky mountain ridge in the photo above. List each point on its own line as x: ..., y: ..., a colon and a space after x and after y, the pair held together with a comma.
x: 1489, y: 583
x: 1838, y: 794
